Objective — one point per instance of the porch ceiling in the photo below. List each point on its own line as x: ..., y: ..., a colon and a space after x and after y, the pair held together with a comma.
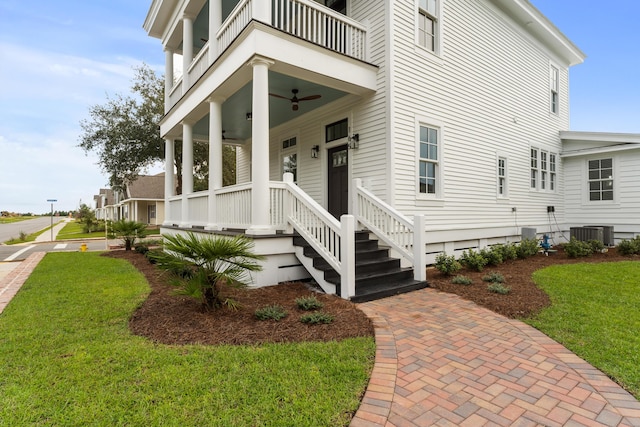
x: 235, y: 109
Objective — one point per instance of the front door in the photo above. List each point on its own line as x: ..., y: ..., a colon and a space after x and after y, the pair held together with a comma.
x: 338, y: 181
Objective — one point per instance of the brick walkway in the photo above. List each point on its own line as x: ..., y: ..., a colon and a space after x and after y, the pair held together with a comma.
x: 10, y: 284
x: 445, y: 361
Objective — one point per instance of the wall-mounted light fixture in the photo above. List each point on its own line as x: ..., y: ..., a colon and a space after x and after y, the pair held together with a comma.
x: 315, y: 150
x: 249, y: 116
x: 353, y: 141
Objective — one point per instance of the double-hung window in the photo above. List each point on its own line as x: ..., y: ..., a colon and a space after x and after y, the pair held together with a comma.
x: 554, y: 84
x: 534, y: 168
x: 290, y: 157
x: 428, y: 163
x: 544, y: 166
x: 428, y: 25
x: 502, y: 177
x: 600, y: 179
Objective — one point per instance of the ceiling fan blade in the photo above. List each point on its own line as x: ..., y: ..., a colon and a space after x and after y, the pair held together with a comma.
x: 310, y: 98
x: 280, y: 96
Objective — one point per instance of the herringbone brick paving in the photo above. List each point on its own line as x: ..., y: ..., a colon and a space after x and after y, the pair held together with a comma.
x: 444, y: 361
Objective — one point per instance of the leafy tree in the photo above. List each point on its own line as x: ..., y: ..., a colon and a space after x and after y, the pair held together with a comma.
x: 87, y: 217
x: 203, y: 265
x: 128, y: 232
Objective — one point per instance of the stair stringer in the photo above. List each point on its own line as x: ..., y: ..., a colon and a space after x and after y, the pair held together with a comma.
x: 317, y: 275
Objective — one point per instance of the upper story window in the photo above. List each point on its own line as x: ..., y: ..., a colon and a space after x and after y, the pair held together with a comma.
x: 554, y: 84
x: 600, y: 179
x: 502, y: 177
x: 428, y: 161
x: 339, y: 6
x: 543, y: 170
x: 428, y: 24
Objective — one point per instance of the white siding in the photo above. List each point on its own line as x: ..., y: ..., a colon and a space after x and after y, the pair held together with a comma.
x: 490, y: 91
x: 624, y: 212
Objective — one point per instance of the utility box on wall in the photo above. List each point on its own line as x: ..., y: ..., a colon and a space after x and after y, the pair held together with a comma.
x: 529, y: 233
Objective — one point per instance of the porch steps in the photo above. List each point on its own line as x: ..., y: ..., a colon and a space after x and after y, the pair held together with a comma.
x: 377, y: 274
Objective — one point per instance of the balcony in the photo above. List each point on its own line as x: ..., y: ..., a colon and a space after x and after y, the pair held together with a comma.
x: 304, y: 19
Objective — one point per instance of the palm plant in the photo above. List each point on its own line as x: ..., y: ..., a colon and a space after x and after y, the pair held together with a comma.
x: 128, y: 232
x: 202, y: 265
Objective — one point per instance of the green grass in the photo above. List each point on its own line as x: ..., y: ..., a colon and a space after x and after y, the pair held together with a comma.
x: 74, y: 230
x: 67, y: 358
x: 595, y: 313
x: 12, y: 219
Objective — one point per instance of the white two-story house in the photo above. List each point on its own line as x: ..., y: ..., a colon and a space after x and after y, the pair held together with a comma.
x: 432, y: 124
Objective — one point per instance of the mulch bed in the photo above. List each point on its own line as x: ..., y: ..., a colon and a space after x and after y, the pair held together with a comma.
x: 172, y: 319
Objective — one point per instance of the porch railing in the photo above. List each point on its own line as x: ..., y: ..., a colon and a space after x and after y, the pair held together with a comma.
x: 199, y: 65
x: 233, y: 206
x: 405, y: 236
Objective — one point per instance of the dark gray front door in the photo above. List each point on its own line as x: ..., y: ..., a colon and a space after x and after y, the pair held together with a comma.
x: 338, y: 181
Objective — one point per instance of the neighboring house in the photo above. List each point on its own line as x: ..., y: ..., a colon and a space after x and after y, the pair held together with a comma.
x: 142, y: 201
x: 434, y: 124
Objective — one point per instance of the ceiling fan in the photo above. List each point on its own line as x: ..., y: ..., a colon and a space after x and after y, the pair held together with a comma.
x: 295, y: 100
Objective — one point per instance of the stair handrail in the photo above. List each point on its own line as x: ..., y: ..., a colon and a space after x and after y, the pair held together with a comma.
x: 398, y: 231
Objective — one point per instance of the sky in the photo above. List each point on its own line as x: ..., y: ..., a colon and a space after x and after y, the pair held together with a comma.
x: 59, y: 58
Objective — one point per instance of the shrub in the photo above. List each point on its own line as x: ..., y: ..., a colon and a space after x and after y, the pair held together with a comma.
x: 447, y: 265
x: 141, y: 248
x: 493, y: 255
x: 316, y: 317
x: 23, y: 236
x: 308, y: 303
x: 499, y: 288
x: 596, y: 246
x: 494, y: 278
x: 577, y: 248
x: 461, y: 280
x: 271, y: 312
x: 527, y: 248
x: 509, y: 251
x: 473, y: 260
x: 629, y: 247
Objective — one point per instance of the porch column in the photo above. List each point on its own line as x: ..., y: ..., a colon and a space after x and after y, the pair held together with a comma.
x: 215, y: 22
x: 169, y: 178
x: 187, y: 49
x: 215, y: 157
x: 187, y: 170
x: 168, y: 77
x: 260, y: 197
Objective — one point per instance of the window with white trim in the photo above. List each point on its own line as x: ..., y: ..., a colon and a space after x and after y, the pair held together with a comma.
x: 600, y: 179
x: 543, y: 170
x: 428, y: 163
x: 290, y: 157
x: 428, y: 24
x: 554, y: 84
x: 502, y: 177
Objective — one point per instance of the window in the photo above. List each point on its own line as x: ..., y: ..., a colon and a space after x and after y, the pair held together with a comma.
x: 543, y: 170
x: 339, y: 6
x: 554, y: 84
x: 502, y: 177
x: 337, y: 130
x: 428, y: 24
x: 428, y: 162
x: 290, y: 157
x: 600, y: 179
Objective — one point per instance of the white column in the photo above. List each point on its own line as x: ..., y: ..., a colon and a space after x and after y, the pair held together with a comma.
x: 215, y: 157
x: 168, y: 77
x: 187, y: 50
x: 187, y: 170
x: 215, y: 22
x: 169, y: 178
x: 260, y: 221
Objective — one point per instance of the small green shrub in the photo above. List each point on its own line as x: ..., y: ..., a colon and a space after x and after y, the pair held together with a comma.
x: 597, y: 246
x: 493, y: 255
x: 577, y: 248
x: 23, y: 236
x: 446, y: 264
x: 629, y: 247
x: 527, y: 248
x: 141, y: 248
x: 499, y: 288
x: 316, y: 317
x: 493, y: 278
x: 308, y: 303
x: 271, y: 312
x: 473, y: 260
x: 461, y: 280
x: 509, y: 251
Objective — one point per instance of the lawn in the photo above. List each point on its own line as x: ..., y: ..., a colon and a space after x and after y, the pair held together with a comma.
x: 68, y: 358
x: 75, y: 230
x: 595, y: 313
x: 12, y: 219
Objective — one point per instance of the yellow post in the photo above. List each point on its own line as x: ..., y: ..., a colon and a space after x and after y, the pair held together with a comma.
x: 83, y: 247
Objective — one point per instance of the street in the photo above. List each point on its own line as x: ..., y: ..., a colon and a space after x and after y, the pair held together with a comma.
x: 20, y: 252
x: 9, y: 231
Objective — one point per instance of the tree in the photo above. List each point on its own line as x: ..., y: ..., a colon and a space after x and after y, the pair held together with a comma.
x: 203, y: 265
x: 128, y: 232
x: 87, y: 217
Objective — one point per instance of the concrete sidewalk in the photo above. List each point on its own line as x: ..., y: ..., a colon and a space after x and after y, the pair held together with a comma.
x: 46, y: 236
